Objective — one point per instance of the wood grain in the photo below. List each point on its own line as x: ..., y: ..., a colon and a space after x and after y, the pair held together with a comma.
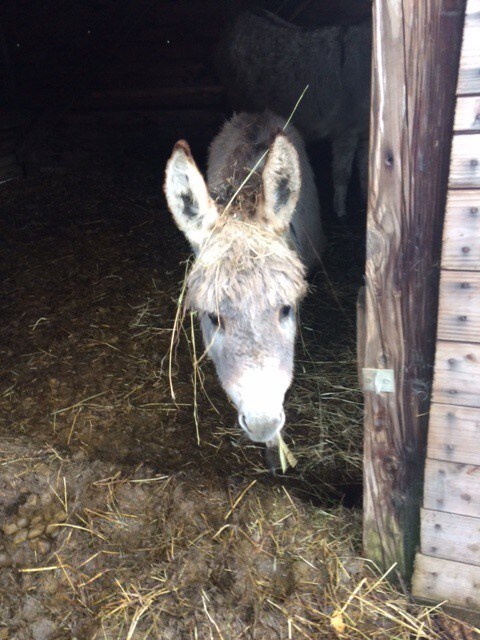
x: 465, y: 161
x: 454, y: 434
x: 468, y: 81
x: 459, y: 306
x: 450, y: 536
x: 439, y: 580
x: 457, y: 374
x: 470, y: 56
x: 412, y: 117
x: 467, y: 114
x: 452, y: 487
x: 450, y: 521
x: 469, y: 73
x: 461, y: 234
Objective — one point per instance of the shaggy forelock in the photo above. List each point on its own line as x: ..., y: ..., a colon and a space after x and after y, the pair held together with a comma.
x: 244, y: 265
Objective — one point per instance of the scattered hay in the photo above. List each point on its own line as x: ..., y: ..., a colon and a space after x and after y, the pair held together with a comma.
x: 118, y: 520
x: 143, y: 555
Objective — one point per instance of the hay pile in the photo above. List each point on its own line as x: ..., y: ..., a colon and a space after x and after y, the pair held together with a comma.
x: 90, y: 551
x: 117, y: 519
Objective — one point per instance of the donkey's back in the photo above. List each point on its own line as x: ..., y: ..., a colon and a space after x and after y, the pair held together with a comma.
x: 237, y: 149
x: 266, y: 63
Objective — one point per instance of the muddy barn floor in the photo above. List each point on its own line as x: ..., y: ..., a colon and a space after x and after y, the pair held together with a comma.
x: 127, y: 514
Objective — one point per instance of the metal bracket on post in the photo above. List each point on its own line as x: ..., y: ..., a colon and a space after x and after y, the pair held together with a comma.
x: 378, y: 380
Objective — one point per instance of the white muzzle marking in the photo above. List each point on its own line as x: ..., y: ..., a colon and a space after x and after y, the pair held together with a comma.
x: 258, y: 396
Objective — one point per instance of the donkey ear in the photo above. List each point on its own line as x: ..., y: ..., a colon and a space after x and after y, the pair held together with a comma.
x: 281, y: 183
x: 187, y: 196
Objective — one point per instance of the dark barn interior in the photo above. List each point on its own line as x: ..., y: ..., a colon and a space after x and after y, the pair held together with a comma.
x: 97, y: 94
x: 87, y: 79
x: 130, y: 506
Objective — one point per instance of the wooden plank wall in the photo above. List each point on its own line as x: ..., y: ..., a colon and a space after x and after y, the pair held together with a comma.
x: 415, y: 66
x: 448, y: 565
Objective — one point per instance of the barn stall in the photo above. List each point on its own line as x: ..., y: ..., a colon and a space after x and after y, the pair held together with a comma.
x: 129, y: 505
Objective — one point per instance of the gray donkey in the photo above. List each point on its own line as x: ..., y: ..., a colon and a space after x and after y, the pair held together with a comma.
x: 265, y: 63
x: 252, y: 249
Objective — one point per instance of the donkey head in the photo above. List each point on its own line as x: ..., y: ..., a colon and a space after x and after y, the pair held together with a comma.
x: 246, y: 281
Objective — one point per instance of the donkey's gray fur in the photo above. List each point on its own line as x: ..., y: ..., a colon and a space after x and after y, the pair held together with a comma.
x: 248, y: 276
x: 265, y: 62
x: 236, y: 148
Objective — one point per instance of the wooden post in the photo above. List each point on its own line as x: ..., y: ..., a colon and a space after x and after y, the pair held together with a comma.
x: 415, y: 63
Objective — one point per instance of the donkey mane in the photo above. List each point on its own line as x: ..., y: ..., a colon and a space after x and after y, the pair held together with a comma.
x: 244, y: 262
x: 248, y: 138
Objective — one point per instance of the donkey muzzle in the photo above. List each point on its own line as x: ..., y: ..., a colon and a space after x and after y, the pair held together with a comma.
x: 261, y: 428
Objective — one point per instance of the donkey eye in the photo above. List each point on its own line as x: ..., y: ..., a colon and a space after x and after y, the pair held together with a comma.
x: 215, y: 319
x: 285, y: 311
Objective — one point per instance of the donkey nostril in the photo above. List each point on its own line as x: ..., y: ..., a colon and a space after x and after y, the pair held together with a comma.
x: 269, y: 425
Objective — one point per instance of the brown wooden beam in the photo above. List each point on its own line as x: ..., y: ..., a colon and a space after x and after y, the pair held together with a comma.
x: 415, y: 63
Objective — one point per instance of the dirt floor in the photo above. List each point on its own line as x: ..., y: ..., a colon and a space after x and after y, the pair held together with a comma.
x: 93, y: 268
x: 125, y: 513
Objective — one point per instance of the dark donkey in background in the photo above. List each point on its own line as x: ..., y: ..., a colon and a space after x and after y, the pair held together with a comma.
x: 265, y: 63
